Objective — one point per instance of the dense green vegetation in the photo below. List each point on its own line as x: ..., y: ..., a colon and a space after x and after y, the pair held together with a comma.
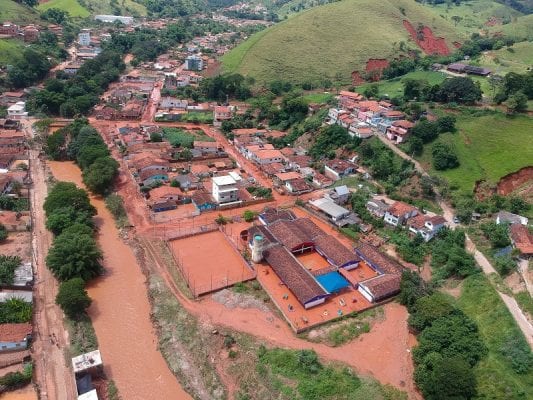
x: 74, y: 252
x: 73, y: 298
x: 289, y: 48
x: 299, y: 374
x: 88, y: 149
x: 15, y: 311
x: 449, y: 343
x: 507, y: 371
x: 8, y: 265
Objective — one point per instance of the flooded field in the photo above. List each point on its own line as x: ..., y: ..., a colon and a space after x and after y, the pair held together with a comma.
x: 121, y: 313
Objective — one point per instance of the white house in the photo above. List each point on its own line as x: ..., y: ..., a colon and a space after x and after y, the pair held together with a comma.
x: 426, y: 226
x: 225, y: 189
x: 337, y: 169
x: 399, y: 212
x: 84, y: 37
x: 172, y: 102
x: 17, y: 110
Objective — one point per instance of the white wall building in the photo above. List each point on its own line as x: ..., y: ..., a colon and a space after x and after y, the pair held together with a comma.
x: 17, y: 110
x: 84, y: 37
x: 113, y: 18
x: 225, y: 189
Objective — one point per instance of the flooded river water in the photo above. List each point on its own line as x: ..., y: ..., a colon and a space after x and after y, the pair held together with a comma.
x: 120, y: 313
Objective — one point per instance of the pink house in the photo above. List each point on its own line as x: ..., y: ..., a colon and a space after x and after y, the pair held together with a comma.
x: 399, y: 131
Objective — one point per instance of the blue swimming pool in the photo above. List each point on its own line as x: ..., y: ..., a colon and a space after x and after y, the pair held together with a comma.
x: 333, y: 282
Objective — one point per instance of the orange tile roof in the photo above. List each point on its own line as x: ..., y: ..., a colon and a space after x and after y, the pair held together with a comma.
x: 14, y: 332
x: 400, y: 208
x: 264, y: 154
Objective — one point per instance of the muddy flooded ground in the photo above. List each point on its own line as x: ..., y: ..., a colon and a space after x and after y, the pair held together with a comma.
x: 120, y: 312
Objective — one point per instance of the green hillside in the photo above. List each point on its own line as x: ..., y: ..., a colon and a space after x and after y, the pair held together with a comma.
x: 489, y: 147
x: 520, y: 28
x: 17, y: 13
x: 333, y: 40
x: 474, y: 14
x: 75, y: 9
x: 10, y: 50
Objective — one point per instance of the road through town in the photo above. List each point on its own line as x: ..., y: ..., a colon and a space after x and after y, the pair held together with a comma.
x: 52, y: 373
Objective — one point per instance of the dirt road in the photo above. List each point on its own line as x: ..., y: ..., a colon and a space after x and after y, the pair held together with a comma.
x: 52, y: 373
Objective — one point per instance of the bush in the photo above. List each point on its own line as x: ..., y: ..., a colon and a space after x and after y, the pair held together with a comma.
x: 62, y: 218
x: 498, y: 234
x: 444, y: 156
x: 249, y: 215
x: 15, y: 311
x: 16, y: 380
x: 3, y: 233
x: 518, y: 353
x: 429, y: 308
x: 453, y: 335
x: 504, y: 265
x: 8, y: 264
x: 73, y: 298
x: 443, y: 378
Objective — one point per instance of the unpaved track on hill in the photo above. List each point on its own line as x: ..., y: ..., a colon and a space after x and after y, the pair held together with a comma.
x: 448, y: 213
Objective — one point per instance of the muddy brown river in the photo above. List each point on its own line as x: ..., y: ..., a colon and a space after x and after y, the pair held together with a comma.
x: 120, y: 313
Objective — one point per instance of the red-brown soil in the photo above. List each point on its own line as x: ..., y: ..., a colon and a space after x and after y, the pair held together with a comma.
x: 511, y: 182
x: 425, y: 39
x: 357, y: 79
x: 209, y: 262
x: 374, y: 68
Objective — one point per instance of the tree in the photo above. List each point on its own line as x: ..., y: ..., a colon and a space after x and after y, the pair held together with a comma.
x: 415, y: 89
x: 55, y: 145
x: 55, y: 15
x: 66, y: 194
x: 444, y: 156
x: 372, y: 91
x: 416, y: 145
x: 446, y: 379
x: 3, y: 233
x: 73, y: 298
x: 87, y: 155
x: 64, y: 217
x: 459, y: 90
x: 100, y: 175
x: 412, y: 288
x: 428, y: 308
x: 453, y: 335
x: 516, y: 103
x: 156, y: 137
x: 74, y: 255
x: 456, y: 19
x: 498, y: 234
x: 504, y: 265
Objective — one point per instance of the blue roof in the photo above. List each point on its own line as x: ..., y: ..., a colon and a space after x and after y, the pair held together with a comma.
x: 332, y: 281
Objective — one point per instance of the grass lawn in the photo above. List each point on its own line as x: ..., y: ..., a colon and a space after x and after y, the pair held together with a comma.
x: 394, y: 87
x: 10, y: 50
x: 184, y: 138
x: 488, y: 146
x: 519, y: 28
x: 74, y: 8
x: 333, y: 40
x: 495, y: 375
x: 475, y: 13
x: 503, y: 61
x: 17, y: 13
x: 318, y: 97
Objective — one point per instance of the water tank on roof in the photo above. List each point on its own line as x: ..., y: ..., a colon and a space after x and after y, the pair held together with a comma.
x: 257, y: 248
